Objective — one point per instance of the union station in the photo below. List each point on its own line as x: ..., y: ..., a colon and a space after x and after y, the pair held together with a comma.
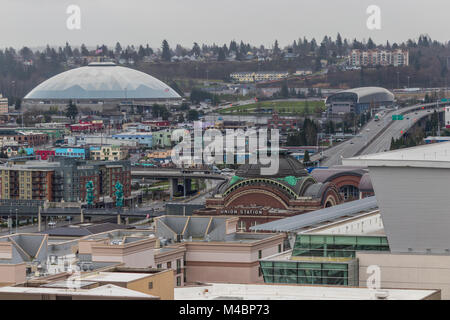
x: 257, y: 198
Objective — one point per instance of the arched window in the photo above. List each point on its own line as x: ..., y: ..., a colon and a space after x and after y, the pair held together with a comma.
x: 349, y: 192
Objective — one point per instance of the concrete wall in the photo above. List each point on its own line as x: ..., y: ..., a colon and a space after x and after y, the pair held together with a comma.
x: 138, y: 254
x: 12, y: 273
x: 227, y: 262
x: 414, y: 205
x: 163, y: 286
x: 408, y: 271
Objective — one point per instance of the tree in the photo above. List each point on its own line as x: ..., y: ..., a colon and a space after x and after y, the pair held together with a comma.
x: 192, y: 115
x: 276, y: 49
x: 196, y: 49
x: 284, y: 91
x: 84, y: 50
x: 118, y: 49
x: 72, y: 110
x: 166, y: 55
x: 306, y: 158
x: 18, y: 104
x: 221, y: 55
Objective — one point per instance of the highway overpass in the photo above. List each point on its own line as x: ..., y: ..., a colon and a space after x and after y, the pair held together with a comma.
x: 375, y: 136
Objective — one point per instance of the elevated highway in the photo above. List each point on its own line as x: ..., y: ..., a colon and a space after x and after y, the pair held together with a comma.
x: 375, y: 136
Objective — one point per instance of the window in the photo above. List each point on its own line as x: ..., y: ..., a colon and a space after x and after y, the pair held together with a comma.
x: 150, y: 285
x: 178, y: 266
x: 259, y: 254
x: 169, y: 265
x: 279, y: 248
x: 241, y: 226
x: 159, y: 266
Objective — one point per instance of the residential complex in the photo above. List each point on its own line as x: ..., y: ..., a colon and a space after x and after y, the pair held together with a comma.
x: 3, y: 105
x: 377, y: 57
x: 248, y: 77
x: 64, y: 179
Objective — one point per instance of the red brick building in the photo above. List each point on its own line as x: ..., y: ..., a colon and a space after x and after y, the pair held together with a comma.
x: 256, y: 198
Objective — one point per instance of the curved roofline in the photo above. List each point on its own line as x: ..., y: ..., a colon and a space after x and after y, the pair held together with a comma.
x: 364, y: 91
x: 102, y: 81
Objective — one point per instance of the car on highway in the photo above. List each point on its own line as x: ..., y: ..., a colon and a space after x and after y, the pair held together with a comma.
x: 52, y: 224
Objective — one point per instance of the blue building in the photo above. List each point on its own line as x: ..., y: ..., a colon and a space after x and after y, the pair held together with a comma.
x: 141, y: 138
x: 79, y: 153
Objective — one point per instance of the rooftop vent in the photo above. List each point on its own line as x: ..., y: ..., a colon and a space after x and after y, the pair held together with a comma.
x: 381, y: 295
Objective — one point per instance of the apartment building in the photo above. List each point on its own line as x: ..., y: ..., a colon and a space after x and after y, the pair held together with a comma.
x: 396, y: 58
x: 248, y: 77
x: 64, y: 179
x: 110, y: 152
x: 28, y: 138
x: 3, y: 105
x: 20, y: 182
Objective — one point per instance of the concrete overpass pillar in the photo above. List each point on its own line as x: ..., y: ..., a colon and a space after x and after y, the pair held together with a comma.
x: 173, y: 186
x: 127, y: 220
x: 119, y: 221
x: 187, y: 186
x: 39, y: 219
x: 81, y: 215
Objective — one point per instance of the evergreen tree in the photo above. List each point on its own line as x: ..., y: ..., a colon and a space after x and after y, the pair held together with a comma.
x: 166, y: 55
x: 284, y: 91
x: 306, y: 158
x: 221, y: 55
x: 72, y: 110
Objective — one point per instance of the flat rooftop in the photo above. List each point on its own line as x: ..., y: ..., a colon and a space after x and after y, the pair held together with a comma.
x: 226, y: 291
x: 436, y: 155
x: 115, y: 277
x: 108, y: 290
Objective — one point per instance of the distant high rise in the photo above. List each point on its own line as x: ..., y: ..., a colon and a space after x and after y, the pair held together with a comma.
x: 3, y: 105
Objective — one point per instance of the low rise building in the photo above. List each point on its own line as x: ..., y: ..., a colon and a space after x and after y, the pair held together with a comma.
x: 108, y: 152
x: 141, y: 138
x: 227, y: 291
x: 247, y: 77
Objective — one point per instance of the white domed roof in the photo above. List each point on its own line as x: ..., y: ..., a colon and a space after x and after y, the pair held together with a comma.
x: 102, y: 80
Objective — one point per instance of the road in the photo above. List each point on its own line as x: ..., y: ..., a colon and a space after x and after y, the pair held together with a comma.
x: 350, y: 148
x: 396, y: 130
x: 34, y: 228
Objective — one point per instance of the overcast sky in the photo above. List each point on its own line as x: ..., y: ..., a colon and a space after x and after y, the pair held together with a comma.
x: 35, y: 23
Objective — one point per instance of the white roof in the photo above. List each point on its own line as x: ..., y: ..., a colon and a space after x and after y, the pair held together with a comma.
x: 102, y: 81
x: 291, y: 292
x: 115, y: 277
x: 436, y: 155
x: 108, y: 290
